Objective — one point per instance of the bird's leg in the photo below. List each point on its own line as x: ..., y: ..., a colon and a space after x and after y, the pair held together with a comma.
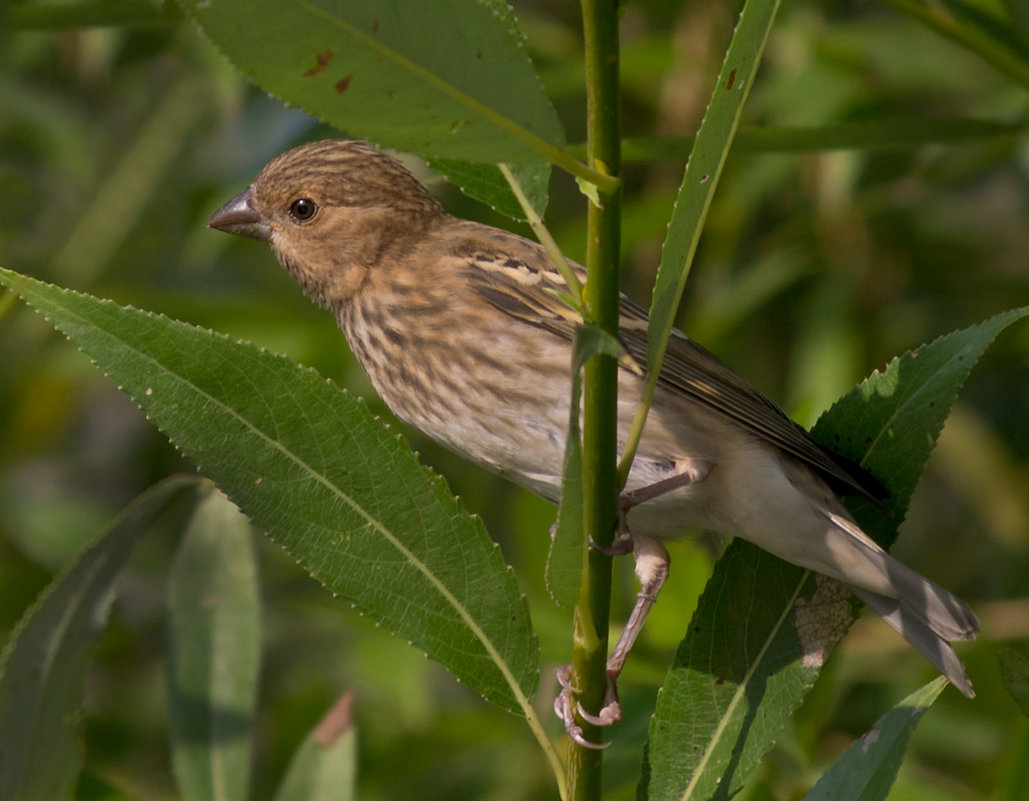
x: 623, y: 542
x: 566, y: 704
x: 640, y: 495
x: 652, y: 570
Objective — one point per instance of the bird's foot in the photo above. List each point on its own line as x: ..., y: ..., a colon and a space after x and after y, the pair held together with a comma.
x: 652, y: 568
x: 620, y: 545
x: 623, y: 542
x: 567, y: 707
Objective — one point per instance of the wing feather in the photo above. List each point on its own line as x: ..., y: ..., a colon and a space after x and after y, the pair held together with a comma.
x: 519, y: 288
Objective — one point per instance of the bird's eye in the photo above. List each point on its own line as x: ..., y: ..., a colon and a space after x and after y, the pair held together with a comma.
x: 302, y: 209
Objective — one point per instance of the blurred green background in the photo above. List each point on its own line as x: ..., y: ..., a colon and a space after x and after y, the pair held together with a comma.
x: 118, y: 141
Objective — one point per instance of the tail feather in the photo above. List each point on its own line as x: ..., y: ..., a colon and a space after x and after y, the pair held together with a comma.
x: 924, y: 613
x: 801, y: 520
x: 915, y: 623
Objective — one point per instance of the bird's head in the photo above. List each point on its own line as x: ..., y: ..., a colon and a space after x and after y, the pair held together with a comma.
x: 331, y: 210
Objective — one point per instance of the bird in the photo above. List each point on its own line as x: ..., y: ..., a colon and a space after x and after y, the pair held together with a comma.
x: 463, y: 333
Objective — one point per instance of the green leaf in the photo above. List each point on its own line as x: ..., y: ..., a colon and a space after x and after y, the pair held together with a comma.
x: 699, y: 180
x: 324, y: 768
x: 889, y: 423
x: 1014, y: 673
x: 1011, y: 786
x: 310, y: 465
x: 730, y: 687
x: 590, y: 190
x: 445, y: 79
x: 866, y: 771
x: 44, y: 664
x: 486, y: 183
x: 703, y: 170
x: 749, y: 656
x: 214, y: 652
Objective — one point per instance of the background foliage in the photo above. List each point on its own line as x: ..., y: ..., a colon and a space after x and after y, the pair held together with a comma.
x: 116, y: 143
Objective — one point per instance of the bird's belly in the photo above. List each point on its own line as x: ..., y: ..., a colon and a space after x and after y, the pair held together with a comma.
x: 516, y: 432
x: 508, y: 411
x: 527, y: 452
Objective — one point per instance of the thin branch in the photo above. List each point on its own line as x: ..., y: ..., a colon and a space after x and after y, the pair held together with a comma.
x: 600, y: 401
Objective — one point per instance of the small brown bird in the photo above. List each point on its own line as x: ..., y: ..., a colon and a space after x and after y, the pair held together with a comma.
x: 460, y: 332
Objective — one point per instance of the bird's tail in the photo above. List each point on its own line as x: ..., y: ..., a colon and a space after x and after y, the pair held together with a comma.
x: 929, y: 618
x: 923, y: 612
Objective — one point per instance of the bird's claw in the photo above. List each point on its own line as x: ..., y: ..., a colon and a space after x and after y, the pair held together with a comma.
x: 608, y: 715
x: 623, y: 542
x: 621, y: 545
x: 564, y: 678
x: 567, y: 706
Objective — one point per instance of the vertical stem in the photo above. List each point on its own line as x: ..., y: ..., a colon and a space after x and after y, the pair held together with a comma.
x: 600, y: 475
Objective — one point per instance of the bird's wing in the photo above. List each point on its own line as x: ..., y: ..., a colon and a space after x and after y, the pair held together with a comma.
x: 513, y: 282
x: 691, y: 370
x: 507, y: 274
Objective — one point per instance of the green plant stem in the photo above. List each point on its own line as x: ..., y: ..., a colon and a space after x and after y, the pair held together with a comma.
x: 600, y: 475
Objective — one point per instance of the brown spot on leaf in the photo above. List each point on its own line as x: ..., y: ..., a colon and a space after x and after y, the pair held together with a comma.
x: 322, y: 60
x: 822, y: 621
x: 375, y: 26
x: 343, y: 84
x: 732, y: 80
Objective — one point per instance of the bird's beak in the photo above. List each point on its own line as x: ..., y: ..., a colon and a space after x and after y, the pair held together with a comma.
x: 239, y: 217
